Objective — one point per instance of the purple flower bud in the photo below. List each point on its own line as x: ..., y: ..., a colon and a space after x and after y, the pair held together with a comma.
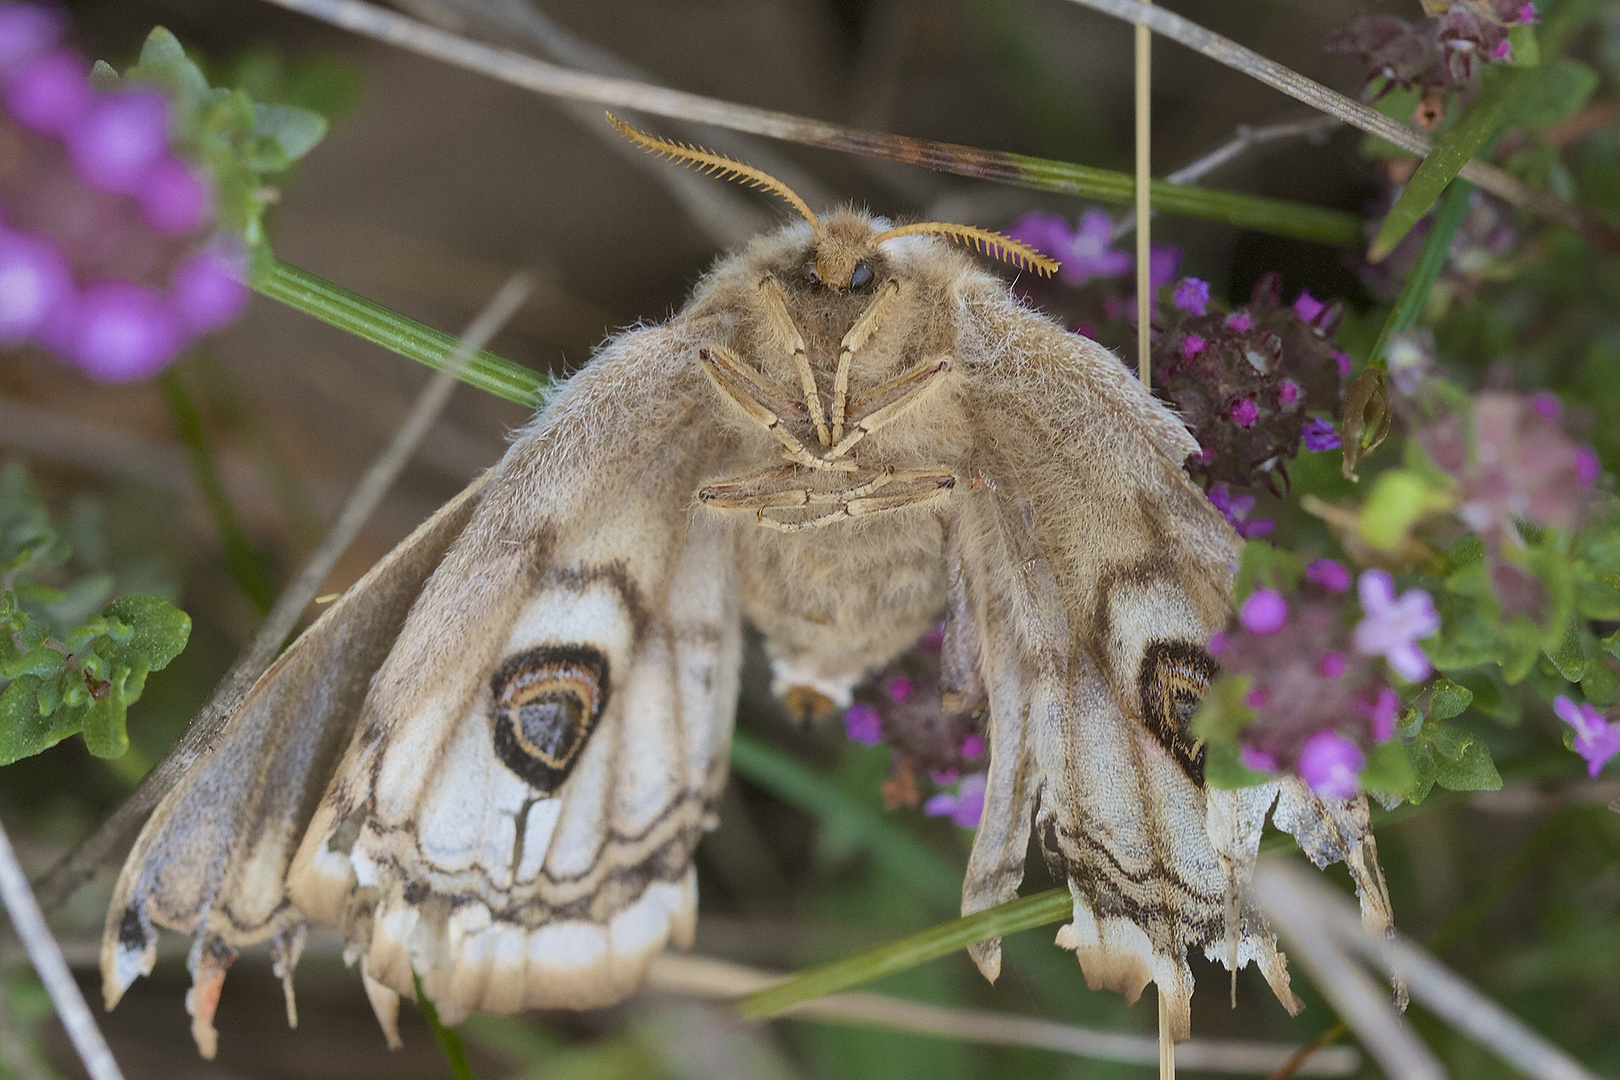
x: 1546, y: 405
x: 1192, y: 346
x: 1241, y: 321
x: 1503, y: 50
x: 1245, y: 413
x: 173, y: 198
x: 1385, y: 707
x: 1342, y: 358
x: 1319, y: 435
x: 899, y: 688
x: 1527, y: 15
x: 1252, y: 757
x: 34, y: 283
x: 1587, y: 467
x: 1331, y: 574
x: 207, y: 292
x: 1332, y: 665
x: 26, y: 30
x: 50, y: 95
x: 123, y: 331
x: 973, y: 747
x: 862, y: 724
x: 1257, y: 698
x: 1331, y: 764
x: 125, y: 135
x: 1288, y: 392
x: 1163, y: 259
x: 1217, y: 643
x: 1596, y: 739
x: 1264, y: 613
x: 1192, y: 296
x: 1308, y: 307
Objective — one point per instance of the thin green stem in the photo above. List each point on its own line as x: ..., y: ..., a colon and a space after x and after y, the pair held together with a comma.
x: 368, y: 319
x: 1025, y: 913
x: 1431, y: 260
x: 894, y: 847
x: 244, y: 563
x: 455, y: 1054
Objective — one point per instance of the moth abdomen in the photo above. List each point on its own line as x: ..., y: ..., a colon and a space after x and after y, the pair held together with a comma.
x: 1174, y: 677
x: 548, y: 700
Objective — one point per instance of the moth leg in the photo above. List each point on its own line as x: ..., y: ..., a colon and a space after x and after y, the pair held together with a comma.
x: 940, y: 484
x: 762, y: 400
x: 788, y: 337
x: 913, y: 387
x: 857, y: 336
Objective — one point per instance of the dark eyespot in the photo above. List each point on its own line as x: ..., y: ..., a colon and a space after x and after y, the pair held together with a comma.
x: 861, y: 276
x: 811, y: 274
x: 547, y: 703
x: 1173, y: 680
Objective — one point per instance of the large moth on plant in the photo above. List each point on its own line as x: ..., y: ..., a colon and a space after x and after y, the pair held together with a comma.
x: 490, y: 761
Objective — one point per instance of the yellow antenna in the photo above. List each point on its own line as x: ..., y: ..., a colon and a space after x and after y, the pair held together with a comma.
x: 713, y: 164
x: 989, y: 243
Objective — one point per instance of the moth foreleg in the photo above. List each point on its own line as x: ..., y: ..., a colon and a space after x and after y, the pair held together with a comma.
x: 853, y: 504
x: 761, y: 400
x: 857, y: 336
x: 788, y: 337
x: 911, y: 387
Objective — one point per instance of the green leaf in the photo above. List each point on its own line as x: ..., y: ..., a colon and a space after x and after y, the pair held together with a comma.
x: 1600, y: 684
x: 296, y: 131
x: 161, y: 630
x: 1223, y: 712
x: 1462, y: 762
x: 106, y: 732
x: 1597, y: 595
x: 1223, y: 769
x: 1568, y: 657
x: 164, y: 61
x: 42, y: 661
x: 1398, y: 499
x: 24, y: 730
x: 1265, y: 566
x: 1389, y: 770
x: 1453, y: 149
x: 1449, y: 699
x: 1414, y: 295
x: 1549, y: 94
x: 1420, y: 757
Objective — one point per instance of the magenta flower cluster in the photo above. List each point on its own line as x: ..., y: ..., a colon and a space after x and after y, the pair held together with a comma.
x: 1319, y: 695
x: 104, y: 256
x: 1439, y: 53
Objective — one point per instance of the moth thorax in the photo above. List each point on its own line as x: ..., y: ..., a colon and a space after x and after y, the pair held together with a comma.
x: 547, y: 702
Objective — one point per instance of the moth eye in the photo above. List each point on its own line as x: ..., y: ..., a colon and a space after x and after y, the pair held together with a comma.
x: 1173, y: 680
x: 811, y: 274
x: 547, y: 703
x: 861, y: 276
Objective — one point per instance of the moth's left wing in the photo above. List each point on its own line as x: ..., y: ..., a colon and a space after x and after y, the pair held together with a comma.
x: 515, y: 818
x: 1095, y: 572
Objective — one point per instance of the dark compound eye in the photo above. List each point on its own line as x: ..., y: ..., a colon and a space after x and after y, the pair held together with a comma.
x: 811, y: 274
x: 547, y: 703
x: 861, y: 276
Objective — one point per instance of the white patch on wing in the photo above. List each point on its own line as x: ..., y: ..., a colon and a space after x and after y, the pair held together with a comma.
x: 594, y: 614
x: 537, y: 833
x: 469, y: 813
x: 649, y: 765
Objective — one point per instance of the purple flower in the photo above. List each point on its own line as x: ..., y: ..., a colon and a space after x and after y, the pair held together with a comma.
x: 34, y: 283
x: 26, y: 30
x: 208, y: 292
x: 1308, y: 307
x: 49, y: 95
x: 863, y: 725
x: 1288, y: 392
x: 1391, y: 628
x: 123, y: 137
x: 123, y: 331
x: 1331, y: 764
x: 1587, y: 467
x: 1192, y: 346
x: 1546, y: 405
x: 1596, y: 739
x: 1163, y: 262
x: 1332, y: 665
x: 1382, y: 711
x: 1237, y: 509
x: 1083, y: 253
x: 1319, y: 435
x: 965, y: 806
x: 1331, y: 574
x: 1342, y: 358
x: 174, y: 199
x: 1503, y: 50
x: 899, y: 688
x: 1527, y: 15
x: 1241, y: 321
x: 1264, y: 613
x: 1252, y: 757
x: 1245, y: 413
x: 973, y: 747
x: 1192, y: 296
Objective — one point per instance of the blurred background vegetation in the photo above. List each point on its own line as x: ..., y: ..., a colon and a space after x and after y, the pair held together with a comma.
x: 434, y: 184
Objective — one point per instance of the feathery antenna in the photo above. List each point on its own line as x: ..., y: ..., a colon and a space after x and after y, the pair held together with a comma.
x: 984, y: 241
x: 713, y: 164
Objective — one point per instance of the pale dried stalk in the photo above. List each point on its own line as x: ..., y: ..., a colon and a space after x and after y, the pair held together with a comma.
x: 1442, y: 991
x: 29, y: 923
x: 205, y: 729
x: 700, y: 976
x: 1361, y: 1003
x: 1144, y: 272
x: 1348, y: 109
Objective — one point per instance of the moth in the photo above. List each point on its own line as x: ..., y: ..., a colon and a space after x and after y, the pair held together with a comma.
x: 490, y: 761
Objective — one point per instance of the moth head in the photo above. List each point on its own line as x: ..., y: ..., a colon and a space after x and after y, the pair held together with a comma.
x: 845, y: 244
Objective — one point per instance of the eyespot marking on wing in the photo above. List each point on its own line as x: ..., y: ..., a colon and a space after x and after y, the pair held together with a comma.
x: 1175, y: 675
x: 547, y: 702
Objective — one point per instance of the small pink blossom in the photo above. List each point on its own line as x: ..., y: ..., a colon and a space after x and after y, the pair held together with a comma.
x: 1333, y: 665
x: 1331, y: 574
x: 1252, y: 757
x: 1192, y: 296
x: 1527, y: 15
x: 1288, y: 392
x: 1342, y: 358
x: 1264, y: 613
x: 1192, y: 345
x: 965, y: 806
x: 863, y: 725
x: 1587, y: 467
x: 1391, y: 627
x: 973, y: 747
x: 1245, y: 413
x: 1241, y: 321
x: 899, y: 688
x: 1308, y: 307
x: 1596, y: 739
x: 1503, y: 50
x: 1331, y: 764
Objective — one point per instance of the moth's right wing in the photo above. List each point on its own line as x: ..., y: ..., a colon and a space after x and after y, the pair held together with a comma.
x: 515, y: 817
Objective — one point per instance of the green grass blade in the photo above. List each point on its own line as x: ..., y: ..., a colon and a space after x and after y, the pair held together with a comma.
x: 455, y: 1054
x: 1452, y: 150
x: 897, y: 849
x: 1431, y: 260
x: 370, y: 320
x: 1025, y: 913
x: 245, y: 567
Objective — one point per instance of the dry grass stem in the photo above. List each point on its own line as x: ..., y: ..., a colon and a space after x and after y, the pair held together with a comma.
x: 29, y: 922
x: 700, y: 976
x: 209, y: 723
x: 1361, y: 1003
x: 1442, y: 991
x: 1351, y: 111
